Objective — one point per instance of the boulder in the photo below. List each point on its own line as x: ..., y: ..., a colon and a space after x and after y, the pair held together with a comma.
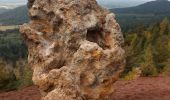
x: 75, y: 49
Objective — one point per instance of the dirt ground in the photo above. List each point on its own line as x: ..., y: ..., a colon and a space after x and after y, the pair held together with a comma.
x: 29, y: 93
x: 156, y: 88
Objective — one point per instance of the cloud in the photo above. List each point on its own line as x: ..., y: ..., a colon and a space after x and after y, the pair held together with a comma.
x: 10, y: 4
x: 13, y: 1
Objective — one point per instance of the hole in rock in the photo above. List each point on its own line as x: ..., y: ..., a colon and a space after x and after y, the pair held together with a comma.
x: 56, y: 64
x: 96, y: 36
x: 50, y: 88
x: 61, y: 63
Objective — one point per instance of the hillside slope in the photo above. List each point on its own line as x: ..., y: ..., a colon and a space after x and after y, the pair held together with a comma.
x: 15, y: 16
x: 143, y: 15
x: 2, y: 10
x: 153, y: 7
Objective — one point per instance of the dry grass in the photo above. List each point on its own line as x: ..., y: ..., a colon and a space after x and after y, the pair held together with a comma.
x: 4, y: 28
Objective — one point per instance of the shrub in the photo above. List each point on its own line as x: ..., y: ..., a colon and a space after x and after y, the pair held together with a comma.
x: 134, y: 74
x: 166, y: 70
x: 26, y: 79
x: 148, y: 70
x: 23, y: 73
x: 5, y: 74
x: 15, y: 78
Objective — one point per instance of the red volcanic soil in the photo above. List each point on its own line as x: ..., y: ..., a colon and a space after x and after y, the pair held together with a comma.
x: 154, y: 88
x: 29, y: 93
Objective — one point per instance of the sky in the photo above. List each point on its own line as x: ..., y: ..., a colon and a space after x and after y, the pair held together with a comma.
x: 121, y: 3
x: 122, y: 0
x: 108, y: 3
x: 13, y: 1
x: 101, y: 1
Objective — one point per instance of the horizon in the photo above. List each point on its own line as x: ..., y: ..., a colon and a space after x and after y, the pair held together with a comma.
x: 100, y: 1
x: 24, y: 1
x: 9, y: 4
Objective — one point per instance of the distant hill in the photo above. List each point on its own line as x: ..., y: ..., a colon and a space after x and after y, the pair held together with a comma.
x: 128, y: 18
x: 2, y: 10
x: 120, y: 3
x: 142, y: 15
x: 152, y: 7
x: 14, y: 16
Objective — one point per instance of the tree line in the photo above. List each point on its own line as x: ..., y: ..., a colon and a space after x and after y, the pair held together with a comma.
x: 148, y: 49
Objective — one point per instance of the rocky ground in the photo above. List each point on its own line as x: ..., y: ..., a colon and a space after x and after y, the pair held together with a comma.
x: 156, y: 88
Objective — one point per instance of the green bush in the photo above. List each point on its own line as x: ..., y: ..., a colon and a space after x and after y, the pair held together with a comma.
x: 15, y: 78
x: 4, y: 71
x: 23, y: 73
x: 6, y: 77
x: 26, y: 79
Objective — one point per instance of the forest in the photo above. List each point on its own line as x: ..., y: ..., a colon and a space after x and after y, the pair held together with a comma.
x: 149, y: 50
x: 147, y: 54
x: 14, y: 69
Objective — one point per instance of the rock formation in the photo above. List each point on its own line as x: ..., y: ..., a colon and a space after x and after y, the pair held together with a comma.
x: 75, y: 49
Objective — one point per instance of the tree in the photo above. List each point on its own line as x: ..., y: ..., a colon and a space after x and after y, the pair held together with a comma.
x: 165, y: 26
x: 148, y: 66
x: 166, y: 70
x: 5, y: 74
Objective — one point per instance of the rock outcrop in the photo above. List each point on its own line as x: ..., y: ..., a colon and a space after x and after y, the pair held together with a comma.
x: 75, y: 49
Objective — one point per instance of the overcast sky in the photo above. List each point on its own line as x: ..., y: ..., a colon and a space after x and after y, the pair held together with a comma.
x: 101, y: 1
x: 105, y: 3
x: 13, y: 1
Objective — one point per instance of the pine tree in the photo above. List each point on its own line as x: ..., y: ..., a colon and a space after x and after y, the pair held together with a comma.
x: 148, y: 66
x: 165, y: 26
x: 149, y: 49
x: 161, y: 43
x: 5, y: 74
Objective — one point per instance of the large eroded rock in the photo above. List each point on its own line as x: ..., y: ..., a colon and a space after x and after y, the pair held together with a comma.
x: 74, y: 49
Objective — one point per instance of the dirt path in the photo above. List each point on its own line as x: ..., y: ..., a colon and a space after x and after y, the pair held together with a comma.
x: 157, y: 88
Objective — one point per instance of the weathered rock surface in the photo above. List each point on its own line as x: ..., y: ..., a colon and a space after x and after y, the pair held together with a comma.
x: 75, y: 49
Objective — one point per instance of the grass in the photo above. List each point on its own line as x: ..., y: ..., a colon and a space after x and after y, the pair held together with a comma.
x: 4, y: 28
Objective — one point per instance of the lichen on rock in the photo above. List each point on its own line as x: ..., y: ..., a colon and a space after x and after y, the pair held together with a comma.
x: 75, y: 49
